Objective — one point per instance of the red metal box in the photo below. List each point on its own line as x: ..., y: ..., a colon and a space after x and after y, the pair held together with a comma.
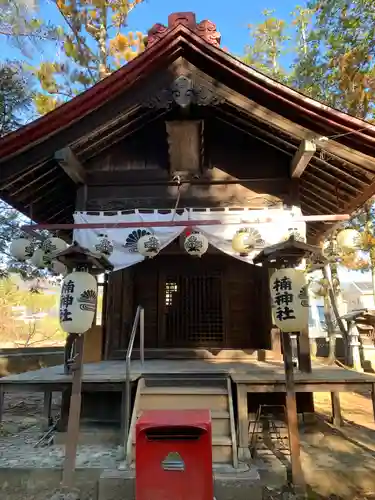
x: 173, y: 457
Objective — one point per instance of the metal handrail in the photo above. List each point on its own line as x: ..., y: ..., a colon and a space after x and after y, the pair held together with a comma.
x: 138, y: 319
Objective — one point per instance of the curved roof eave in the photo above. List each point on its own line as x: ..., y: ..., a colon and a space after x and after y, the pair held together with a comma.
x: 360, y: 134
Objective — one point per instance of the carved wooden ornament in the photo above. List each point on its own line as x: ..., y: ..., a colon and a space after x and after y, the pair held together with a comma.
x: 184, y: 92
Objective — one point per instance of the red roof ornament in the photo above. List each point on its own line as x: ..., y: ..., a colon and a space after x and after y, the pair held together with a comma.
x: 205, y: 29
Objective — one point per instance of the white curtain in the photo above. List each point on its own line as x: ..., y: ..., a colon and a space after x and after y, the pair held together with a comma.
x: 218, y: 235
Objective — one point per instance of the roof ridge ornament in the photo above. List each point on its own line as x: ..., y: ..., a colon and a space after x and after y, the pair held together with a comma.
x: 205, y: 29
x: 184, y: 92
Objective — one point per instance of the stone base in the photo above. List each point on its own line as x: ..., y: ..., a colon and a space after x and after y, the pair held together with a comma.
x: 229, y: 484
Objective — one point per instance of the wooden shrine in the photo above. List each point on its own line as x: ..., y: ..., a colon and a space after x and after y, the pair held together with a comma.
x: 187, y: 126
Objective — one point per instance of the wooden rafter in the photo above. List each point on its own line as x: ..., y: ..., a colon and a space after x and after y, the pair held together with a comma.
x: 71, y: 165
x: 302, y: 157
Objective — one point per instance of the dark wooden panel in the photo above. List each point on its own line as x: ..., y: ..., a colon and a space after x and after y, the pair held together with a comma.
x: 145, y: 149
x: 120, y: 311
x: 248, y: 306
x: 146, y: 295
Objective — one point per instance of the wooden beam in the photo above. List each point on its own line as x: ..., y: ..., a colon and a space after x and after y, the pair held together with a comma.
x: 71, y: 165
x: 184, y: 141
x: 186, y: 223
x: 302, y: 157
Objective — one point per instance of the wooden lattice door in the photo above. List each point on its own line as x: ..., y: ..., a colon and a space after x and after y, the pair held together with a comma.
x: 193, y: 309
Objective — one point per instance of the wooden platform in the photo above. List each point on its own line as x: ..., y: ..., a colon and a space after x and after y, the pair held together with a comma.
x: 257, y: 376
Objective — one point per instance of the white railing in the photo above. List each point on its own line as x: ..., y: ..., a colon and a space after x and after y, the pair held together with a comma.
x: 139, y: 319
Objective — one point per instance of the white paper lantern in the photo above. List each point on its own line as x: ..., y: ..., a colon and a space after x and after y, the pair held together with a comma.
x: 102, y: 245
x: 330, y: 250
x: 196, y: 244
x: 246, y: 240
x: 79, y: 292
x: 317, y: 288
x: 297, y: 235
x: 58, y: 267
x: 349, y: 240
x: 40, y: 259
x: 22, y: 249
x: 54, y: 245
x: 289, y: 300
x: 148, y: 245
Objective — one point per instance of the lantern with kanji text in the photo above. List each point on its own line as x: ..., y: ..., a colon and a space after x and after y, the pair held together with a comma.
x: 349, y: 240
x: 58, y: 268
x: 79, y: 292
x: 22, y: 249
x: 148, y: 245
x: 102, y: 245
x: 246, y: 240
x: 196, y: 244
x: 289, y: 300
x: 53, y: 245
x: 40, y: 259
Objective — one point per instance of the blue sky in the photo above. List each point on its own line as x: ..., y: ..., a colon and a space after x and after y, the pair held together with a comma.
x: 231, y: 18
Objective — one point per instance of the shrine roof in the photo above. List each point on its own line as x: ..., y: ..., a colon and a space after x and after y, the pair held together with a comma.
x: 338, y: 179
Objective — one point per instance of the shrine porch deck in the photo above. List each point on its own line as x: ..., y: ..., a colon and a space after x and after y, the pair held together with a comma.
x: 257, y: 376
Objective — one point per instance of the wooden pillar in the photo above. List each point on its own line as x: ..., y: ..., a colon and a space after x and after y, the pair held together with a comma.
x: 74, y: 417
x: 1, y: 402
x: 243, y: 423
x: 291, y: 411
x: 336, y: 409
x: 304, y: 356
x: 373, y: 398
x: 47, y: 411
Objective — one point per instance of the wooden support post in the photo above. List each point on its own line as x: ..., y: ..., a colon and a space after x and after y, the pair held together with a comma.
x: 243, y: 423
x: 291, y: 411
x: 373, y: 398
x: 304, y: 357
x: 74, y: 417
x: 47, y: 410
x: 1, y: 402
x: 336, y: 409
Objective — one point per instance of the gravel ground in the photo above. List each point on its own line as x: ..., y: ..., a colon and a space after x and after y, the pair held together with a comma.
x: 349, y: 450
x: 20, y: 431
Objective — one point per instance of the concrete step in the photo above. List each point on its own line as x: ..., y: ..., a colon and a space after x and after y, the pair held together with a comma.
x: 234, y: 484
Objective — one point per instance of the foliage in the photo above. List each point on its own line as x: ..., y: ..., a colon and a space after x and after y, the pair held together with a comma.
x: 10, y: 222
x: 331, y: 45
x: 268, y: 41
x: 22, y: 28
x: 94, y: 43
x: 15, y: 98
x: 27, y: 316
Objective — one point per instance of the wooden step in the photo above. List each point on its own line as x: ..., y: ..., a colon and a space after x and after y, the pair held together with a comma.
x: 220, y: 423
x: 186, y: 400
x: 221, y: 450
x: 184, y: 390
